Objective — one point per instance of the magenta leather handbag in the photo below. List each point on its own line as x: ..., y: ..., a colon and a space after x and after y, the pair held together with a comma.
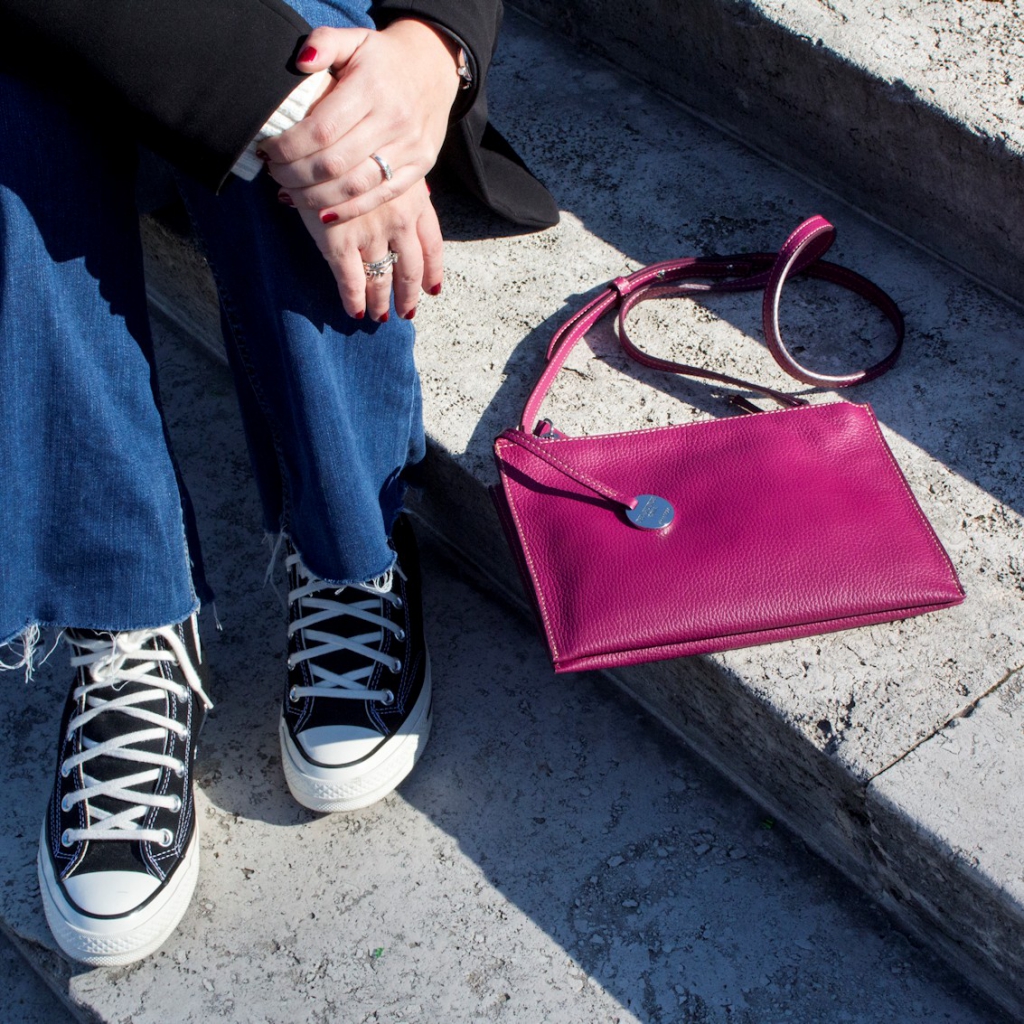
x: 703, y: 537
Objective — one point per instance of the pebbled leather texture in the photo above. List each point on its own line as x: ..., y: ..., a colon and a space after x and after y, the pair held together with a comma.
x: 786, y: 524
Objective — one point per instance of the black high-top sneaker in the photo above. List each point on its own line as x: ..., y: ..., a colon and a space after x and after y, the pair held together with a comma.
x: 119, y: 851
x: 357, y: 706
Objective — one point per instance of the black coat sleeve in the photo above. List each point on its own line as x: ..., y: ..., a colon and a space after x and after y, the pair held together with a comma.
x: 475, y: 23
x: 198, y: 79
x: 475, y: 157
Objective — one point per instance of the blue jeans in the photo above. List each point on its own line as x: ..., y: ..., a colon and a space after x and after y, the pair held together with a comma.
x: 96, y: 528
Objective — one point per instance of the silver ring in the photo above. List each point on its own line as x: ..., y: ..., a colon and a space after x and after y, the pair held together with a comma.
x: 378, y: 268
x: 385, y: 167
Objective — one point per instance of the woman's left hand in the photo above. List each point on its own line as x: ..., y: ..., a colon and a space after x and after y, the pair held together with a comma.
x: 392, y: 96
x: 406, y: 226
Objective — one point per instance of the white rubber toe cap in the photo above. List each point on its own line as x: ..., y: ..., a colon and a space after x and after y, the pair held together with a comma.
x: 105, y: 893
x: 338, y: 744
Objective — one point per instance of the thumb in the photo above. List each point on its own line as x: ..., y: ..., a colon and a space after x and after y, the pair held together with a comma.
x: 329, y: 48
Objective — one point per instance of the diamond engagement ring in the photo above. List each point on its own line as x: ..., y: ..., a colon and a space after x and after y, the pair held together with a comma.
x: 385, y: 167
x: 378, y: 268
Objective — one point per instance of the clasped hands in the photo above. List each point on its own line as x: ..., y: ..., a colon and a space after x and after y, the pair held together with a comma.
x: 391, y: 97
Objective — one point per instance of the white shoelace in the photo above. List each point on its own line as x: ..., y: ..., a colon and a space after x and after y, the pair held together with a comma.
x: 121, y: 658
x: 364, y: 602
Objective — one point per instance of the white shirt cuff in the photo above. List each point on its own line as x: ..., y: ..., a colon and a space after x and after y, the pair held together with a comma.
x: 294, y: 108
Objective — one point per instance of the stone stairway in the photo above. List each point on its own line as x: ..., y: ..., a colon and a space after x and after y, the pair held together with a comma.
x: 895, y: 752
x: 913, y: 109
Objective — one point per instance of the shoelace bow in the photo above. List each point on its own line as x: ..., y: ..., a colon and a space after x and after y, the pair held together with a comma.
x: 124, y: 658
x: 364, y: 604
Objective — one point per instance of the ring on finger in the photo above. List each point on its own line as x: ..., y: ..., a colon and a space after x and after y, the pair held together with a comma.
x: 378, y: 268
x: 385, y: 167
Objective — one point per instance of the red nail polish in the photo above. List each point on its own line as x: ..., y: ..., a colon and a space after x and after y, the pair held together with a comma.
x: 384, y: 318
x: 436, y: 290
x: 410, y: 314
x: 359, y: 315
x: 329, y: 217
x: 262, y: 156
x: 283, y: 197
x: 308, y: 54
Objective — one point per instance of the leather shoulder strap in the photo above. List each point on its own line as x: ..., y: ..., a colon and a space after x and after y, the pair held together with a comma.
x: 800, y: 254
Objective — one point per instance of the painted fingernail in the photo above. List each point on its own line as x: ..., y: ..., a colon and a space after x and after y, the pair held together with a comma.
x: 308, y: 54
x: 329, y: 217
x: 283, y: 197
x: 410, y: 314
x: 359, y: 315
x: 384, y: 318
x: 262, y: 156
x: 436, y: 290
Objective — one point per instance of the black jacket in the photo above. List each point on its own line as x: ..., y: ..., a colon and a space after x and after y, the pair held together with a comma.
x: 198, y: 78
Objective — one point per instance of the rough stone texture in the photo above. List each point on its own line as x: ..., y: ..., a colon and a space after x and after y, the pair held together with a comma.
x: 27, y: 997
x: 911, y: 109
x: 556, y: 856
x: 971, y: 866
x: 812, y: 728
x: 805, y: 725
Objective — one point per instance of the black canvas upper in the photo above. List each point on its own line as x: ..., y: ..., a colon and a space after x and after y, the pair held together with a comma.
x: 86, y: 856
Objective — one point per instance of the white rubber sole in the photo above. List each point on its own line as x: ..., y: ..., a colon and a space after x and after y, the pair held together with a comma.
x: 114, y: 942
x: 354, y: 786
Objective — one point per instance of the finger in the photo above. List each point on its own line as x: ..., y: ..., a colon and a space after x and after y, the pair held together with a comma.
x: 333, y: 116
x: 378, y: 286
x: 329, y: 47
x: 408, y: 274
x: 341, y: 251
x: 345, y: 168
x: 432, y: 247
x: 348, y: 201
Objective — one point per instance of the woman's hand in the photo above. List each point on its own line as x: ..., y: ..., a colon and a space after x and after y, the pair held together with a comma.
x: 406, y: 226
x: 392, y: 96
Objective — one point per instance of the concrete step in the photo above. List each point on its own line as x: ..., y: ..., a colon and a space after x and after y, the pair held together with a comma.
x: 913, y: 110
x: 896, y: 751
x: 555, y: 857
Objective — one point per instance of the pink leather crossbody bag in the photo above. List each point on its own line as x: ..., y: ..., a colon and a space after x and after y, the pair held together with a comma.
x: 727, y: 533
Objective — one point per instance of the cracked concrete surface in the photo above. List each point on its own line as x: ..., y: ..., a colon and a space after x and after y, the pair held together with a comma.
x: 910, y: 108
x: 803, y: 726
x: 894, y: 751
x: 557, y: 856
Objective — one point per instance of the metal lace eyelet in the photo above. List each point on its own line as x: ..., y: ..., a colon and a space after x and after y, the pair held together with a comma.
x: 399, y: 603
x: 292, y: 695
x: 388, y: 698
x: 176, y: 806
x: 400, y: 635
x: 65, y: 803
x: 65, y: 771
x: 166, y: 837
x: 179, y: 770
x: 65, y: 838
x: 396, y: 667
